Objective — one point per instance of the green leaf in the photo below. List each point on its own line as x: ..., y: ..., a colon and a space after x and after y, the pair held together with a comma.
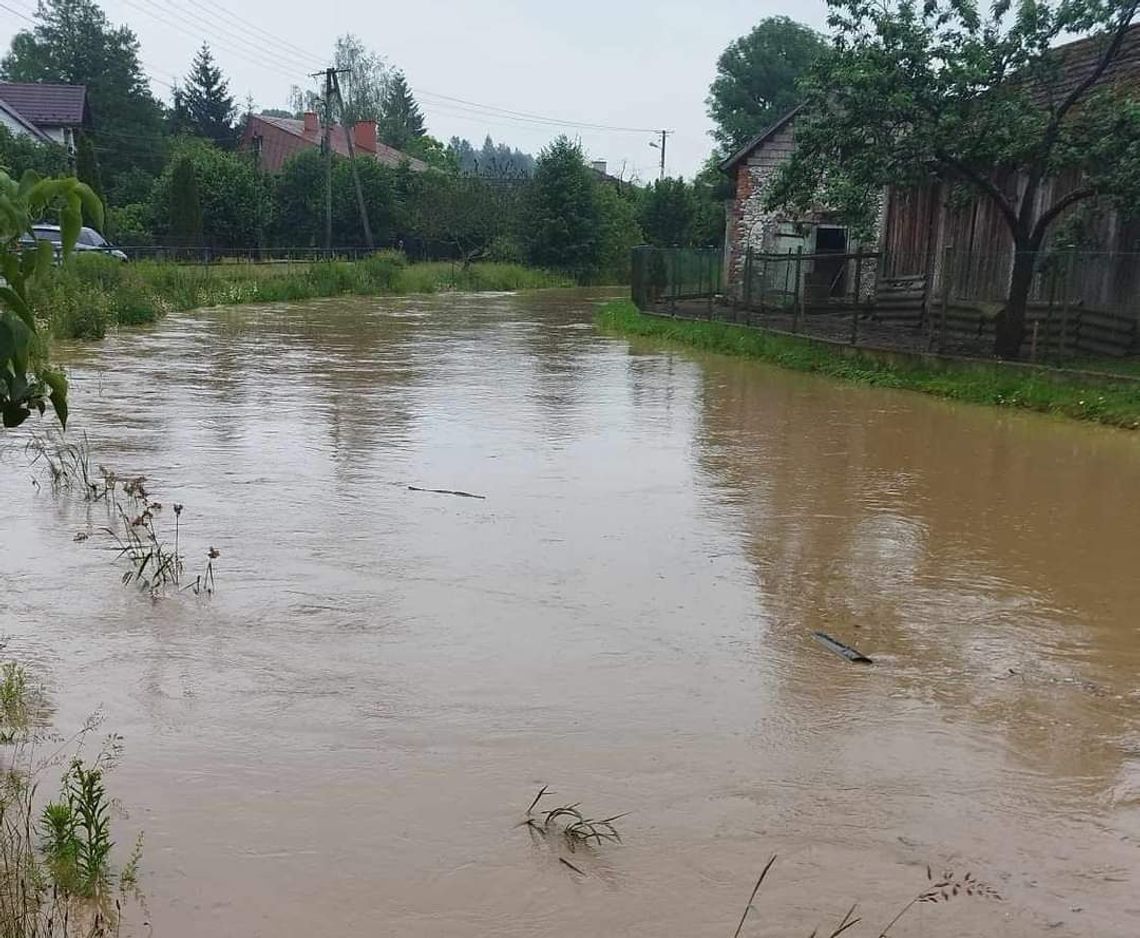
x: 92, y: 206
x: 57, y: 381
x: 70, y: 221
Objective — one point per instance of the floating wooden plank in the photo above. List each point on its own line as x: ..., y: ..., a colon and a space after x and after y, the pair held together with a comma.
x: 844, y: 651
x: 416, y: 488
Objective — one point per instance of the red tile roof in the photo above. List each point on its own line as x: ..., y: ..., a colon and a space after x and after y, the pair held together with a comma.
x: 283, y: 137
x: 47, y: 105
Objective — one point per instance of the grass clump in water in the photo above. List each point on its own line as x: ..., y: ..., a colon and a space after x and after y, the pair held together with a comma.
x: 92, y: 293
x: 1114, y: 404
x: 568, y: 823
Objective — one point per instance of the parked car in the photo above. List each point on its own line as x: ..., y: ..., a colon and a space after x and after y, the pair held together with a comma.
x: 89, y: 240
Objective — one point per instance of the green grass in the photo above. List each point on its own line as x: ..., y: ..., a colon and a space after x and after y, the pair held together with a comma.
x: 90, y: 294
x: 1115, y: 404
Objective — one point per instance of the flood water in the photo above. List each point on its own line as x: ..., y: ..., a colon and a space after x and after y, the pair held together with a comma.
x: 343, y: 740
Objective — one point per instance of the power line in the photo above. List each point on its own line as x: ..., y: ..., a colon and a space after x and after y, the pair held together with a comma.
x: 195, y: 31
x: 254, y: 29
x: 525, y: 116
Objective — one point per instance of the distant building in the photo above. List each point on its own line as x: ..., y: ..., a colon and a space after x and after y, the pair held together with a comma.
x: 275, y: 139
x: 44, y: 112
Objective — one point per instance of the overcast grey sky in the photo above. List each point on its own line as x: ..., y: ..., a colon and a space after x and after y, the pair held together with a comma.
x: 623, y: 63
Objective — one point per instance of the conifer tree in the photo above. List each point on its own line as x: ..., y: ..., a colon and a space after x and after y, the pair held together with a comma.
x: 209, y: 106
x: 401, y: 119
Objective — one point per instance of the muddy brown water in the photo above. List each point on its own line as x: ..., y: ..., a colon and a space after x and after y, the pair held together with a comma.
x: 343, y: 739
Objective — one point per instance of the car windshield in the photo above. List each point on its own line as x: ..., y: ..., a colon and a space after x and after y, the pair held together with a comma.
x: 48, y: 234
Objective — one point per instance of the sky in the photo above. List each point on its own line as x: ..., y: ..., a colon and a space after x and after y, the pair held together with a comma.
x: 491, y: 66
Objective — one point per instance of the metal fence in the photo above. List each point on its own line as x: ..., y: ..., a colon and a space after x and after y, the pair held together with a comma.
x: 1080, y: 303
x: 664, y: 278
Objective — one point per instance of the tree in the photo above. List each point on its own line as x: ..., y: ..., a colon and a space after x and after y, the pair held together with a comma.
x: 234, y: 201
x: 209, y: 106
x: 756, y: 78
x: 562, y: 217
x: 618, y: 233
x: 364, y: 82
x: 299, y: 199
x: 74, y: 43
x: 912, y: 94
x: 18, y: 154
x: 87, y: 165
x: 27, y: 382
x: 668, y: 212
x: 185, y: 218
x: 469, y: 214
x: 401, y: 120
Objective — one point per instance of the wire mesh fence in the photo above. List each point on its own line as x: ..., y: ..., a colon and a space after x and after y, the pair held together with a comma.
x: 1080, y: 304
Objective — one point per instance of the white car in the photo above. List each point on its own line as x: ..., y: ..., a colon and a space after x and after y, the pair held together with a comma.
x: 89, y: 240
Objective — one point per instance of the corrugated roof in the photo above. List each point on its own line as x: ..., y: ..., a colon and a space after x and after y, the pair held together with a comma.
x: 47, y: 105
x: 296, y: 137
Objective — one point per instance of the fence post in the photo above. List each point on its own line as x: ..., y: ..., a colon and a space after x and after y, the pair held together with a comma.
x: 712, y: 271
x: 1062, y: 340
x: 858, y: 286
x: 797, y: 297
x: 748, y: 284
x: 763, y: 280
x: 947, y: 280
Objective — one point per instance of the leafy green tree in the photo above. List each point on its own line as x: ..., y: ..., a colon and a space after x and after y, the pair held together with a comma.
x: 377, y: 182
x: 432, y: 152
x: 18, y: 154
x: 468, y: 214
x: 668, y: 212
x: 185, y: 224
x: 27, y: 382
x: 235, y: 201
x: 209, y: 106
x: 913, y: 93
x: 299, y: 199
x: 74, y: 43
x: 618, y: 233
x: 562, y: 222
x: 401, y: 120
x: 756, y: 78
x: 87, y: 165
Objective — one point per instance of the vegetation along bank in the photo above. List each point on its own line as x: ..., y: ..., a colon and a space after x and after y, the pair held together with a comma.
x: 1114, y: 403
x: 91, y: 293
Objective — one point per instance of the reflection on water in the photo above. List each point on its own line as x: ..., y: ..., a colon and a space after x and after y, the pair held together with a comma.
x: 344, y: 737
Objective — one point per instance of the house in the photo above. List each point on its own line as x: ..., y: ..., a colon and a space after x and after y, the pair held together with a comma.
x: 48, y: 113
x: 749, y: 226
x: 919, y: 227
x: 276, y: 139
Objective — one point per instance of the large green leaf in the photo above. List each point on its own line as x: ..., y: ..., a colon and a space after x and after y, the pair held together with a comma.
x: 57, y: 381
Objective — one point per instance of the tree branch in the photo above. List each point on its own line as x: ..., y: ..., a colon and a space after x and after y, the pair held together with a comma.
x: 1094, y: 76
x: 987, y: 185
x: 1052, y: 213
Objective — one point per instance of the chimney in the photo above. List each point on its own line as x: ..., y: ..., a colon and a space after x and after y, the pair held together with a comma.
x: 599, y: 166
x: 364, y: 135
x: 312, y: 125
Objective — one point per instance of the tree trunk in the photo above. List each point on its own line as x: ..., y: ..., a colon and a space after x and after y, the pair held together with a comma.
x: 1010, y: 326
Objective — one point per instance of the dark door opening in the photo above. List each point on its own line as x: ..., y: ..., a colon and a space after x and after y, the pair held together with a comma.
x: 831, y: 273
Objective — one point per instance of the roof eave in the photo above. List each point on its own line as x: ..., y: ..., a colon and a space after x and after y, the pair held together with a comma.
x: 742, y: 153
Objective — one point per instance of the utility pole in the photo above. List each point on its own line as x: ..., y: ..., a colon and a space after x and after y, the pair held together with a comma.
x: 665, y: 134
x: 352, y: 164
x: 326, y: 146
x: 332, y: 87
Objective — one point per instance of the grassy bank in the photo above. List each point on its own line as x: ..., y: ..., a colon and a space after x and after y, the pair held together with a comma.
x: 1115, y: 404
x: 91, y: 294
